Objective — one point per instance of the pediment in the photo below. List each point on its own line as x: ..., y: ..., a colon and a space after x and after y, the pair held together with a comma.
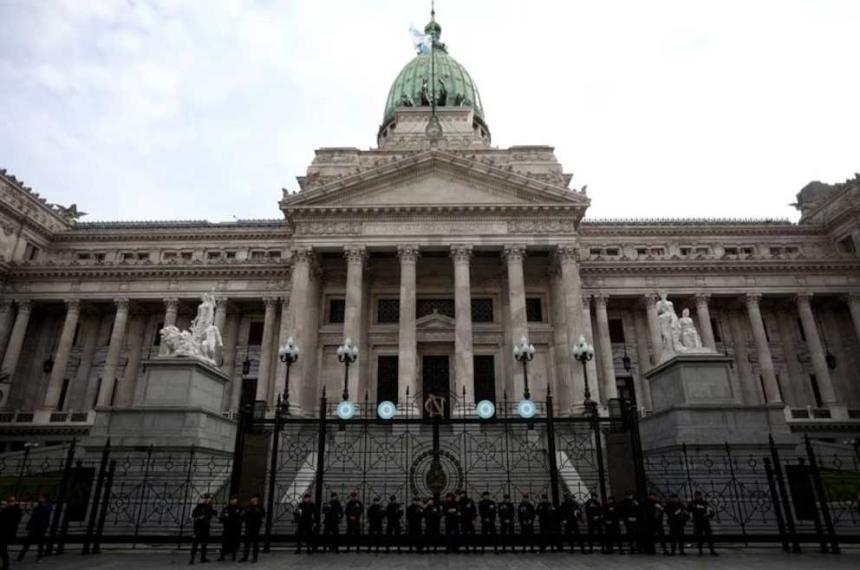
x: 435, y: 321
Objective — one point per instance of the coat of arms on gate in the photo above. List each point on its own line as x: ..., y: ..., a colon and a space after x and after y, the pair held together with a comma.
x: 429, y: 477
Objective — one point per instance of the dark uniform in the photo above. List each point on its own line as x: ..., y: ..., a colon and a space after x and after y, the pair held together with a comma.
x: 487, y: 511
x: 10, y: 518
x: 546, y: 522
x: 612, y: 515
x: 414, y: 517
x: 332, y: 515
x: 569, y: 514
x: 393, y: 514
x: 202, y: 516
x: 452, y: 523
x: 253, y: 516
x: 307, y: 520
x: 375, y: 516
x: 353, y: 511
x: 630, y: 510
x: 432, y: 523
x: 37, y: 526
x: 468, y: 513
x: 656, y: 514
x: 526, y: 515
x: 676, y: 516
x: 594, y: 522
x: 702, y: 514
x: 231, y: 519
x: 507, y: 513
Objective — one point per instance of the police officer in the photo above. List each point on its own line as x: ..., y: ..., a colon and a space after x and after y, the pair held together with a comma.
x: 526, y: 515
x: 202, y: 515
x: 375, y: 516
x: 231, y: 519
x: 468, y: 513
x: 332, y: 515
x: 656, y: 514
x: 10, y: 518
x: 546, y: 522
x: 677, y: 516
x: 353, y: 511
x: 594, y: 522
x: 414, y: 518
x: 612, y: 515
x: 507, y: 512
x: 630, y: 511
x: 702, y: 514
x: 569, y: 514
x: 253, y: 516
x: 452, y: 523
x: 393, y: 514
x: 307, y: 520
x: 432, y: 523
x: 487, y: 511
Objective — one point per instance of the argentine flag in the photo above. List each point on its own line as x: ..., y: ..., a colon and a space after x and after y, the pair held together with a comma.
x: 421, y: 41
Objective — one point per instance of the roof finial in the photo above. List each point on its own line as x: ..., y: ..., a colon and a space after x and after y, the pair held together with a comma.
x: 432, y: 10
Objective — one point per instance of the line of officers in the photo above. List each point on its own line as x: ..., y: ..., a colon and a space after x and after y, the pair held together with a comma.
x: 609, y: 526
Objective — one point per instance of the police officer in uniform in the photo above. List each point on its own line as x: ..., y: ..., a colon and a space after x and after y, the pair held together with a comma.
x: 677, y: 516
x: 630, y: 511
x: 612, y: 515
x: 414, y: 518
x: 452, y: 523
x: 332, y: 515
x: 393, y: 514
x: 468, y: 513
x: 656, y: 514
x: 432, y: 523
x: 546, y: 522
x: 526, y: 515
x: 375, y: 516
x: 231, y: 519
x: 353, y: 511
x: 307, y: 519
x: 702, y: 514
x: 594, y: 521
x: 253, y: 517
x: 569, y: 514
x: 487, y: 512
x: 202, y: 516
x: 507, y: 513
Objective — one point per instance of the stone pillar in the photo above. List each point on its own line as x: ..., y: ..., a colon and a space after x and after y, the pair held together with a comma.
x: 853, y: 302
x: 171, y: 307
x: 816, y: 353
x: 704, y: 318
x: 61, y: 358
x: 407, y: 378
x: 464, y: 373
x: 264, y: 369
x: 352, y: 322
x: 6, y: 314
x: 81, y: 396
x: 125, y: 391
x: 220, y: 320
x: 303, y: 299
x: 16, y: 338
x: 228, y: 362
x: 765, y: 362
x: 745, y: 386
x: 518, y: 324
x: 573, y: 318
x: 610, y: 389
x: 117, y: 336
x: 650, y: 302
x: 284, y: 333
x: 643, y: 356
x: 561, y: 349
x: 591, y: 366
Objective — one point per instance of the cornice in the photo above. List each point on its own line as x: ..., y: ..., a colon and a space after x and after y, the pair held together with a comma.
x: 109, y: 271
x: 179, y: 233
x: 721, y: 266
x: 590, y: 228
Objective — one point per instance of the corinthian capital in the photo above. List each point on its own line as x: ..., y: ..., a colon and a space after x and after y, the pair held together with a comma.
x: 514, y: 253
x: 703, y: 298
x: 408, y: 253
x: 24, y: 305
x: 752, y: 299
x: 303, y: 255
x: 171, y: 304
x: 461, y: 253
x: 355, y: 254
x: 567, y: 254
x: 73, y: 306
x: 122, y: 303
x: 601, y: 300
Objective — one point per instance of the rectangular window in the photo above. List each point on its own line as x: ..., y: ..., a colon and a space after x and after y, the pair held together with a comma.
x: 686, y: 251
x: 616, y: 330
x: 83, y: 256
x: 731, y: 251
x: 612, y: 251
x: 143, y: 256
x: 388, y: 311
x: 336, y: 311
x: 169, y: 255
x: 534, y: 310
x: 258, y: 254
x: 641, y: 251
x: 426, y: 307
x: 482, y: 310
x: 747, y: 250
x: 485, y: 377
x: 99, y: 257
x: 595, y: 251
x: 816, y: 392
x: 186, y: 255
x: 255, y: 333
x: 213, y: 255
x: 658, y: 251
x: 715, y: 326
x: 274, y: 254
x: 128, y: 256
x: 775, y: 251
x: 230, y: 254
x: 386, y: 379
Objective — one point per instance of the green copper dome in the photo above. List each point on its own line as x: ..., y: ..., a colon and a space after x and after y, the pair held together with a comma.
x: 413, y: 86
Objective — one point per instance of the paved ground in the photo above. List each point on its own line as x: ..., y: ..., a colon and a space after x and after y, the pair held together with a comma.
x: 757, y: 559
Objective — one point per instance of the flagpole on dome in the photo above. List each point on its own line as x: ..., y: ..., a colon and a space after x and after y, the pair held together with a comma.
x: 434, y: 127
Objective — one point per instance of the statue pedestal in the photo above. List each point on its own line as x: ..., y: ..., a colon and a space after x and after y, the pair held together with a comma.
x: 693, y: 403
x: 177, y: 405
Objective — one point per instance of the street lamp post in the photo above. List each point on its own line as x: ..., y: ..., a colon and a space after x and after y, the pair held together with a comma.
x: 525, y: 353
x: 347, y: 353
x: 583, y: 352
x: 289, y: 354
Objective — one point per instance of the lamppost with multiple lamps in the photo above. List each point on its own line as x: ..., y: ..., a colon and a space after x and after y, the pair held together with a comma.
x: 525, y: 353
x: 289, y: 354
x: 584, y: 352
x: 347, y: 354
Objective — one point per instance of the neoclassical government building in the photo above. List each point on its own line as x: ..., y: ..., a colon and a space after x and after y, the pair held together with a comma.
x: 434, y: 252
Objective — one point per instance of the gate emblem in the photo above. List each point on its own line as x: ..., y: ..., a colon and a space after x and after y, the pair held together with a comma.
x: 434, y: 406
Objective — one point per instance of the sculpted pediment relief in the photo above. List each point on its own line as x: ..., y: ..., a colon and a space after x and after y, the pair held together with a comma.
x: 435, y: 321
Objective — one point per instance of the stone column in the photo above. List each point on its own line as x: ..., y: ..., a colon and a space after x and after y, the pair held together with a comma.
x: 171, y: 307
x: 352, y: 322
x: 561, y: 349
x: 518, y: 324
x: 16, y: 338
x: 610, y: 389
x: 744, y: 385
x: 704, y: 318
x: 81, y: 397
x: 464, y: 373
x: 61, y: 358
x: 303, y: 299
x: 650, y: 302
x: 765, y: 362
x: 117, y: 336
x: 228, y: 362
x: 284, y: 333
x: 6, y: 314
x: 591, y: 366
x: 220, y: 320
x: 264, y: 369
x: 407, y: 378
x: 574, y: 321
x: 853, y: 302
x: 643, y: 357
x: 816, y: 351
x: 125, y: 391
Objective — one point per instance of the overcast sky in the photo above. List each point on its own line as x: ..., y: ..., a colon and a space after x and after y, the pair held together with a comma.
x: 150, y: 109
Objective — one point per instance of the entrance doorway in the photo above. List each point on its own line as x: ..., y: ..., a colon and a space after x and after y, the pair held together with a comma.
x: 436, y: 376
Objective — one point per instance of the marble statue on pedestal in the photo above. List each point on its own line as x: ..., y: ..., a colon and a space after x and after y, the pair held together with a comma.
x: 679, y: 336
x: 201, y: 341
